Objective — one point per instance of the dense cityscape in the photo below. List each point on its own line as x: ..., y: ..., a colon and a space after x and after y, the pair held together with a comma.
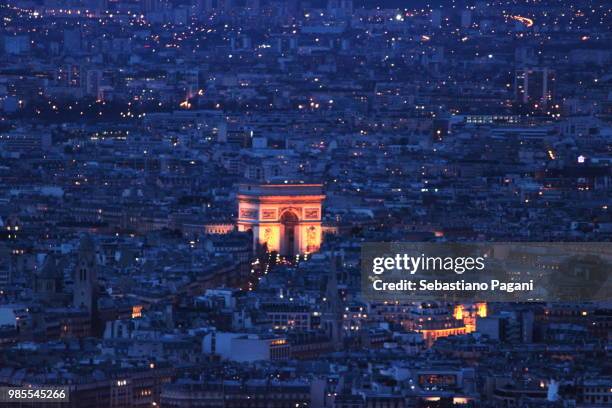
x: 185, y: 187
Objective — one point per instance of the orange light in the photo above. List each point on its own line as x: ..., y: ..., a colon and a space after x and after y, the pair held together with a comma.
x: 458, y: 312
x: 136, y: 311
x: 528, y: 22
x: 482, y: 309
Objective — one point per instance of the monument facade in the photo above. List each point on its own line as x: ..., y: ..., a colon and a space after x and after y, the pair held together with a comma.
x: 285, y: 218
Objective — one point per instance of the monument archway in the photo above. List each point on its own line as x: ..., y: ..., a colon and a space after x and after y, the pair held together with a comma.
x: 285, y: 218
x: 289, y: 226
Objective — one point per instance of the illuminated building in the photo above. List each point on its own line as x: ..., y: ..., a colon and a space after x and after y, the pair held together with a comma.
x: 285, y: 218
x: 136, y: 311
x: 434, y: 321
x: 468, y: 314
x: 491, y: 119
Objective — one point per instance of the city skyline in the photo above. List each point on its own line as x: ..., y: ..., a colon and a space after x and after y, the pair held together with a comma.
x: 191, y: 193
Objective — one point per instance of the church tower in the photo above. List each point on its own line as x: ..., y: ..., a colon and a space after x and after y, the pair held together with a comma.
x: 48, y: 283
x: 332, y: 311
x: 85, y: 294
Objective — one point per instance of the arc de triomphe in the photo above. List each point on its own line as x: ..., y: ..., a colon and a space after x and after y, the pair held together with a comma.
x: 283, y: 217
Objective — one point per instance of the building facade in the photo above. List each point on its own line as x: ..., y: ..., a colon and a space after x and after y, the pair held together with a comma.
x: 285, y: 218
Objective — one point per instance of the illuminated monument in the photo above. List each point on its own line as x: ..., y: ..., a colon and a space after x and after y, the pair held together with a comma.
x: 283, y: 217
